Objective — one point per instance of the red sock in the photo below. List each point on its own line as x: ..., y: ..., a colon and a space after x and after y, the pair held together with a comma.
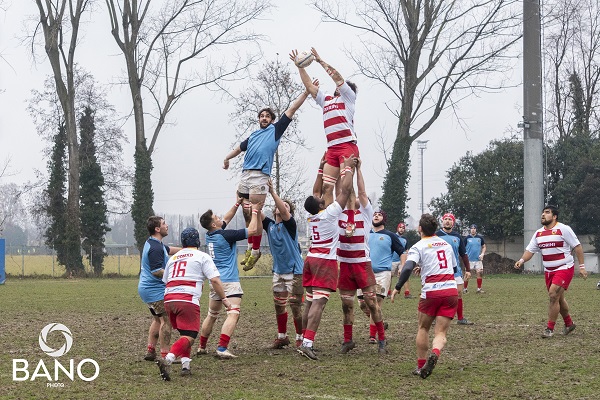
x: 459, y: 310
x: 421, y: 362
x: 250, y: 241
x: 466, y: 284
x: 203, y: 342
x: 181, y: 347
x: 347, y: 333
x: 282, y: 322
x: 224, y: 340
x: 406, y: 293
x: 479, y: 280
x: 380, y: 330
x: 163, y: 354
x: 568, y: 320
x: 151, y: 348
x: 310, y: 335
x: 372, y: 330
x: 256, y: 242
x: 436, y: 352
x: 551, y: 325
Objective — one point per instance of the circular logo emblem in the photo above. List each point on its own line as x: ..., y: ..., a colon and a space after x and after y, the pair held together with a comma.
x: 44, y: 336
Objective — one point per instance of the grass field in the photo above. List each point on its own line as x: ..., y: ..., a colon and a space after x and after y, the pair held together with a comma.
x: 501, y: 357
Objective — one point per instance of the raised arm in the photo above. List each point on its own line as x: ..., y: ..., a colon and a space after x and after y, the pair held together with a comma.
x: 310, y: 86
x: 280, y: 204
x: 255, y: 227
x: 231, y: 213
x: 360, y: 186
x: 347, y: 180
x: 318, y: 185
x: 296, y: 105
x: 232, y: 154
x: 332, y: 72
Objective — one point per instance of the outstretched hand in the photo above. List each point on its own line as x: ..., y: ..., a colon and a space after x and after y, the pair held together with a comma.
x: 293, y: 55
x: 314, y: 53
x: 394, y: 293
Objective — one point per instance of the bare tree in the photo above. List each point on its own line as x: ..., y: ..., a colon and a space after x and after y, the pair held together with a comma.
x: 430, y: 55
x: 60, y: 22
x: 571, y: 47
x: 274, y: 87
x: 47, y: 115
x: 169, y: 52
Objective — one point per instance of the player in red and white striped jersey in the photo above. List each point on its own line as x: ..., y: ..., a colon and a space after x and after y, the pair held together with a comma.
x: 356, y: 271
x: 184, y: 275
x: 320, y: 271
x: 555, y: 241
x: 338, y: 121
x: 439, y: 294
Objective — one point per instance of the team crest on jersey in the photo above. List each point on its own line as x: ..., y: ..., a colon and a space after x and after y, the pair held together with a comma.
x: 554, y: 231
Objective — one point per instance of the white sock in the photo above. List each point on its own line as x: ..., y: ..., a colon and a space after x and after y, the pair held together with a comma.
x: 170, y: 358
x: 255, y: 253
x: 185, y: 362
x: 307, y: 342
x: 299, y: 336
x: 281, y: 335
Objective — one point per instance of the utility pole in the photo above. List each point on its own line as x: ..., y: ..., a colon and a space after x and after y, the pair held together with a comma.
x: 421, y: 146
x: 533, y: 137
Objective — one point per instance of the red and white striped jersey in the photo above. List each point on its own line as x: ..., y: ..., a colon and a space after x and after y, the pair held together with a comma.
x: 338, y: 115
x: 436, y: 258
x: 555, y: 245
x: 323, y: 228
x: 185, y: 273
x: 355, y: 249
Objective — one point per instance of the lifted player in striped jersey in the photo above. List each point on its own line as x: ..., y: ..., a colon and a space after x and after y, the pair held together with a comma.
x: 439, y: 294
x: 320, y: 272
x: 338, y: 121
x: 556, y: 241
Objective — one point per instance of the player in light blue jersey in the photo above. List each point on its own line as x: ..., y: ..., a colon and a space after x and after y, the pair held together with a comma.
x: 221, y: 244
x: 151, y: 288
x: 398, y: 261
x: 458, y: 246
x: 383, y: 245
x: 475, y: 246
x: 287, y: 268
x: 260, y: 148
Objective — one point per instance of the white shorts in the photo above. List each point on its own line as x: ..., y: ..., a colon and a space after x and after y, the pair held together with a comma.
x: 253, y: 182
x: 230, y: 289
x: 476, y: 265
x: 288, y: 283
x: 383, y: 279
x: 459, y: 280
x: 395, y: 267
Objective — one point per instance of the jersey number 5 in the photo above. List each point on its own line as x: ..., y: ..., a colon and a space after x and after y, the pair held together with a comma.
x: 315, y: 234
x: 179, y: 269
x: 441, y: 255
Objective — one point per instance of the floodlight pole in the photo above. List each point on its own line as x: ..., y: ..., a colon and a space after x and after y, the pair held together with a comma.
x: 421, y: 146
x: 533, y: 136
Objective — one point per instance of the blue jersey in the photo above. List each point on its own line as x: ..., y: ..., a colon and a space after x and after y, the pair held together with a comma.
x: 381, y: 246
x: 283, y: 241
x: 403, y: 242
x: 260, y: 147
x: 154, y: 258
x: 222, y: 248
x: 473, y: 246
x: 458, y: 247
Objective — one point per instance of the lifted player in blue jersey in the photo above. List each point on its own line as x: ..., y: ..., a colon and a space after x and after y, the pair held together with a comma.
x: 260, y: 148
x: 287, y: 268
x: 222, y: 248
x: 458, y: 246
